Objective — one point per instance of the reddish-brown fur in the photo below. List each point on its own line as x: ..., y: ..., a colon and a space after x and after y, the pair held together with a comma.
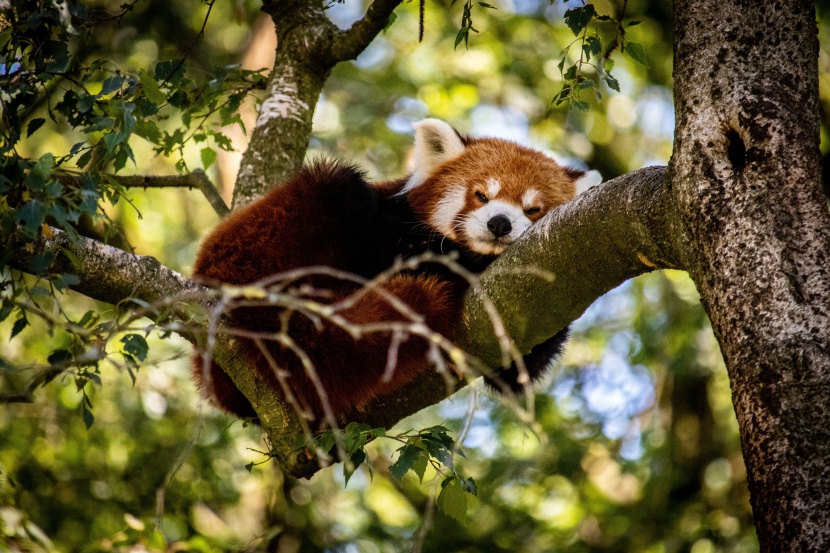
x: 327, y: 215
x: 517, y: 167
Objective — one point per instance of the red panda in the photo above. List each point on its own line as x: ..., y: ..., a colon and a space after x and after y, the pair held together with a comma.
x: 473, y: 196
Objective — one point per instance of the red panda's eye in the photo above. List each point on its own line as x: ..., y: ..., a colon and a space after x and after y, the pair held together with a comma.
x: 481, y: 197
x: 532, y: 210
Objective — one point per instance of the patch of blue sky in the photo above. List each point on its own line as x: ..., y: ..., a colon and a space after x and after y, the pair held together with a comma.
x: 344, y: 14
x: 502, y: 121
x: 616, y: 305
x: 655, y: 112
x: 406, y: 112
x: 376, y: 56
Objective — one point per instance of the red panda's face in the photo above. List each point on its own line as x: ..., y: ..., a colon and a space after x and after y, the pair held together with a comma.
x: 482, y: 193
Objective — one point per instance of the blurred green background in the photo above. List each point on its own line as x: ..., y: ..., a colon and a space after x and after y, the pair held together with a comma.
x: 640, y: 449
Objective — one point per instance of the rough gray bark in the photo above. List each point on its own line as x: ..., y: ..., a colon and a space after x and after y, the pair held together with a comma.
x: 746, y: 174
x: 308, y: 47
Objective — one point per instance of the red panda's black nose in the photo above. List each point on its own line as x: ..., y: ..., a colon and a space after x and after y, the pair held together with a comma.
x: 499, y: 226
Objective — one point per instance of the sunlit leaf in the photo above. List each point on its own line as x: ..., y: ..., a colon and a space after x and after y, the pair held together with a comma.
x: 452, y: 501
x: 637, y: 53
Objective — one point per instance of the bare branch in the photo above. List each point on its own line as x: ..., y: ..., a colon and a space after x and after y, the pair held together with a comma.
x: 197, y: 179
x: 350, y: 43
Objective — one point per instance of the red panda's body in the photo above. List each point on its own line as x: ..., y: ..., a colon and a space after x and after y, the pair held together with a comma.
x: 473, y: 196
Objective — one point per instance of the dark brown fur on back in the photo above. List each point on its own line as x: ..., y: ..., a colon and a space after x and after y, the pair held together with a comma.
x: 326, y: 215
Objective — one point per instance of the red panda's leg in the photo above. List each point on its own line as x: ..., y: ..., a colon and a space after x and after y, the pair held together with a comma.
x: 219, y: 387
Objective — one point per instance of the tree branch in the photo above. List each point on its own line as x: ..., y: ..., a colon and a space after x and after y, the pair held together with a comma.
x: 613, y: 232
x: 350, y: 43
x: 112, y: 275
x: 107, y: 273
x: 308, y: 47
x: 746, y: 175
x: 610, y: 233
x: 196, y: 179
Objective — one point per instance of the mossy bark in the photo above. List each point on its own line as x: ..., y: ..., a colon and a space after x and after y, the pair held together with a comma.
x: 308, y: 47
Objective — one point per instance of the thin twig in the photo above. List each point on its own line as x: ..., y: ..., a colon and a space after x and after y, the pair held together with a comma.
x: 195, y: 179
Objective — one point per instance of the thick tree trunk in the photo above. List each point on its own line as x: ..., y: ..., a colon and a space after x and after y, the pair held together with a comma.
x: 746, y: 174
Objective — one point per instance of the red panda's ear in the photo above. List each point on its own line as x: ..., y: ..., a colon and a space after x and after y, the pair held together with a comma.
x: 435, y: 143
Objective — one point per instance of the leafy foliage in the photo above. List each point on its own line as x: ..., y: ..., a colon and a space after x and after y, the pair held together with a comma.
x: 45, y: 86
x: 594, y: 51
x: 431, y: 446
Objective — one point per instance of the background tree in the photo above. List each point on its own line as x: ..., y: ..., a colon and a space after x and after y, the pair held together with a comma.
x: 610, y: 471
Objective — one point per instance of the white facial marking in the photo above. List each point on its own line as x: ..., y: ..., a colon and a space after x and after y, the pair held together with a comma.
x: 480, y: 238
x: 493, y: 187
x: 529, y: 198
x: 443, y: 218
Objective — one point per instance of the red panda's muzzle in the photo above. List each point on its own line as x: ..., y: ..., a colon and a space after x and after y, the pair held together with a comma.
x: 499, y: 226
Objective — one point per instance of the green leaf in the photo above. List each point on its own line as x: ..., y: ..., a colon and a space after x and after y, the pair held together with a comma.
x: 208, y: 157
x: 419, y: 467
x: 19, y: 325
x: 452, y: 501
x: 86, y: 413
x: 392, y: 17
x: 581, y: 105
x: 151, y: 88
x: 570, y: 74
x: 113, y: 139
x: 94, y: 378
x: 135, y: 345
x: 485, y: 5
x: 585, y: 85
x: 462, y: 35
x: 89, y: 319
x: 469, y: 485
x: 356, y: 459
x: 64, y: 281
x: 40, y: 262
x: 111, y: 84
x: 633, y: 23
x: 440, y: 452
x: 170, y: 72
x: 6, y: 310
x: 637, y: 53
x: 612, y: 83
x: 148, y: 130
x: 578, y: 18
x: 34, y: 125
x: 409, y: 456
x: 42, y: 170
x: 84, y: 159
x: 326, y: 441
x: 31, y: 216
